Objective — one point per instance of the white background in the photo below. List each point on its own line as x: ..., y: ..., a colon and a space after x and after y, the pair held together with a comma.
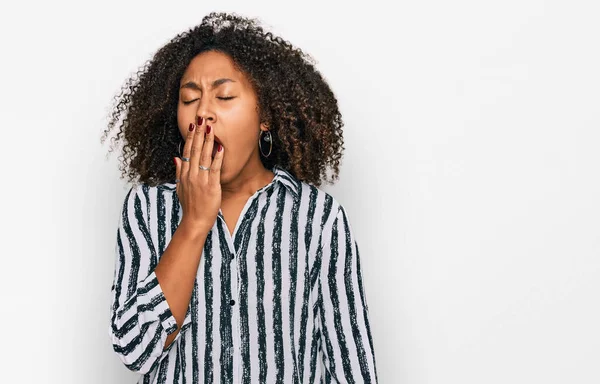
x: 470, y: 177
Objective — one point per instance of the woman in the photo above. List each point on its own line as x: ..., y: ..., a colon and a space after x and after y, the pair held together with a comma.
x: 232, y: 266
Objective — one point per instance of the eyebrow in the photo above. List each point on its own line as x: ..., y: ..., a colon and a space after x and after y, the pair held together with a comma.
x: 216, y: 83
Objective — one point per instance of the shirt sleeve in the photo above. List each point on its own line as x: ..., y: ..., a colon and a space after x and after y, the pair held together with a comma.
x: 140, y: 317
x: 346, y: 342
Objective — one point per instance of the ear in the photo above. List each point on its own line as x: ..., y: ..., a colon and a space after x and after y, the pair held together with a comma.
x: 264, y: 127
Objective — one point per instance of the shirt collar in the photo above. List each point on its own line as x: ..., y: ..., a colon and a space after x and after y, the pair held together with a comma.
x: 285, y: 178
x: 282, y: 177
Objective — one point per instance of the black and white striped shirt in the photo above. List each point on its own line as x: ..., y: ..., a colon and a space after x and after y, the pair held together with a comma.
x: 279, y: 301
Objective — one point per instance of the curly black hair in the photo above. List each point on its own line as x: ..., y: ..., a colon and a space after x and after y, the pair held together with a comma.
x: 294, y: 101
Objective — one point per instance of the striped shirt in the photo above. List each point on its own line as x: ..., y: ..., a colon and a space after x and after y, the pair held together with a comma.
x: 281, y: 300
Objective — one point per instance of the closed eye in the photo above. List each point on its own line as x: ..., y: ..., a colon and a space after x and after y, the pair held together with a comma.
x: 221, y: 98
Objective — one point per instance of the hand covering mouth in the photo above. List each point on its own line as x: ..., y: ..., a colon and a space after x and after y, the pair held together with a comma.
x: 215, y: 146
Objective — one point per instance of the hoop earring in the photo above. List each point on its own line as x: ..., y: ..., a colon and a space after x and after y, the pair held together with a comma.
x: 268, y: 139
x: 179, y: 148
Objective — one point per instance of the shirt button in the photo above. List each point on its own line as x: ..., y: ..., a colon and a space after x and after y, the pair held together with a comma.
x: 232, y: 302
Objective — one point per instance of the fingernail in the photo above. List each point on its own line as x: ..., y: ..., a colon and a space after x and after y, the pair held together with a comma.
x: 175, y: 161
x: 191, y: 127
x: 200, y: 119
x: 208, y: 129
x: 220, y: 148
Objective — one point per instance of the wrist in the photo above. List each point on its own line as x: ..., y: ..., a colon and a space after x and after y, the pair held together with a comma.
x: 194, y: 229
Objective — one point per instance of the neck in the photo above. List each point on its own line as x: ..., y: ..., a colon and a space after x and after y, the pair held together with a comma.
x: 250, y: 179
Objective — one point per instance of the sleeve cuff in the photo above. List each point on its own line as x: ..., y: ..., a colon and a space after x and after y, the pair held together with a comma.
x: 153, y: 305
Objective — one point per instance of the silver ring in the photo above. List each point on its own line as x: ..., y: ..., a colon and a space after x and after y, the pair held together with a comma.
x: 177, y: 181
x: 185, y: 158
x: 202, y: 167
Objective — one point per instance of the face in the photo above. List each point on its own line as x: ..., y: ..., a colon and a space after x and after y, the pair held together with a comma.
x: 229, y: 107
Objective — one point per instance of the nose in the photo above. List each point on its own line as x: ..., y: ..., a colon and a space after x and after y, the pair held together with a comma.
x: 205, y: 111
x: 204, y: 119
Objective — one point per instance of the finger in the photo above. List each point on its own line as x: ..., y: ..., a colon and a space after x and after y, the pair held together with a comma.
x: 215, y: 167
x: 209, y: 139
x: 187, y: 148
x: 196, y: 150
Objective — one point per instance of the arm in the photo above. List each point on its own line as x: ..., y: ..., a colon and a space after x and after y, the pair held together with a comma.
x: 347, y: 345
x: 146, y: 315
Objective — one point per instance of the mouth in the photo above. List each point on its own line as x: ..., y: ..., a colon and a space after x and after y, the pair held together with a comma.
x: 216, y: 146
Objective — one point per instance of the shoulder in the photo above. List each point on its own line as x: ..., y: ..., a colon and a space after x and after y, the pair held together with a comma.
x: 326, y: 206
x: 309, y: 191
x: 142, y: 198
x: 330, y: 214
x: 311, y: 197
x: 306, y: 193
